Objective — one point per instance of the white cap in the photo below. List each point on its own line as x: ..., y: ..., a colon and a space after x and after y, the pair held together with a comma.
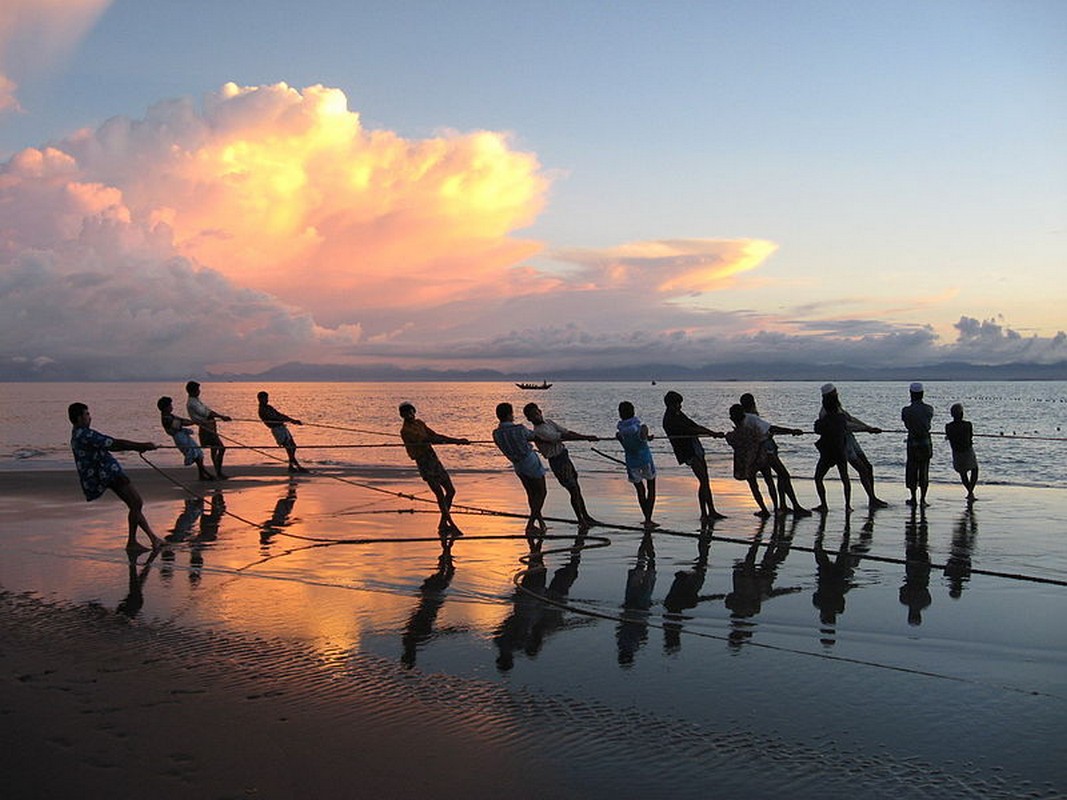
x: 916, y: 387
x: 828, y: 388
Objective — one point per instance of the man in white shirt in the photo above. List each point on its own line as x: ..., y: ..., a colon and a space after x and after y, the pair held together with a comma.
x: 205, y: 418
x: 549, y: 440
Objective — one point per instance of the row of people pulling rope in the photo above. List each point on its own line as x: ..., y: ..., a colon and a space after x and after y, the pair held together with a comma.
x: 752, y: 440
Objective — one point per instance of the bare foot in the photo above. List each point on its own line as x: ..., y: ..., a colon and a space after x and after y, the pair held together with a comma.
x: 801, y: 511
x: 878, y: 503
x: 649, y: 524
x: 136, y: 547
x: 822, y: 508
x: 762, y: 513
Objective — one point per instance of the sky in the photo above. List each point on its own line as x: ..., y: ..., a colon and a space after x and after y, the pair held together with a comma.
x: 225, y: 185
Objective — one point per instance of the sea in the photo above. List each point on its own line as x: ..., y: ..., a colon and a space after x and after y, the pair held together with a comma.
x: 1021, y: 428
x: 897, y: 652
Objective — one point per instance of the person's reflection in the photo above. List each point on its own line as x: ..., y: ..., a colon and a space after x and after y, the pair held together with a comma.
x: 209, y: 532
x: 684, y: 593
x: 559, y: 589
x: 132, y: 603
x: 518, y: 630
x: 419, y: 629
x: 279, y: 520
x: 958, y: 566
x: 192, y: 509
x: 915, y: 592
x: 753, y: 582
x: 632, y: 630
x: 833, y: 580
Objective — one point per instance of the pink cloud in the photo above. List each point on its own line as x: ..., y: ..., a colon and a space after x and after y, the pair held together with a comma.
x: 285, y: 191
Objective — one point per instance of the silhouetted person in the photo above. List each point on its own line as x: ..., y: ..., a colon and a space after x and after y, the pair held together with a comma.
x: 183, y: 436
x: 960, y: 437
x: 419, y: 439
x: 634, y: 437
x: 750, y: 459
x: 205, y: 419
x: 550, y: 438
x: 683, y: 434
x: 98, y: 471
x: 917, y: 417
x: 275, y: 421
x: 832, y: 429
x: 767, y: 432
x: 856, y: 457
x: 515, y: 442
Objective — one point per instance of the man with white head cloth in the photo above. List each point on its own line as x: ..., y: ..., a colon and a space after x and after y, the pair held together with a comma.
x: 856, y: 457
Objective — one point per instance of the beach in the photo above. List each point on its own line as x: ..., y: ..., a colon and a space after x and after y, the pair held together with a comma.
x: 310, y: 637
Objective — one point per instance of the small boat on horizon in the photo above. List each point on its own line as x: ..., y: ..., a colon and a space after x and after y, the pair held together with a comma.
x: 541, y: 385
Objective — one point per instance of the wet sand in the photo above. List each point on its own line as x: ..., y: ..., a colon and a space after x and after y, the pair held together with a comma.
x: 186, y: 704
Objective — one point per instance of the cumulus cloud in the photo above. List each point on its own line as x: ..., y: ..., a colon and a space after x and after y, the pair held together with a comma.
x: 33, y: 33
x: 285, y: 191
x: 232, y: 232
x: 991, y: 342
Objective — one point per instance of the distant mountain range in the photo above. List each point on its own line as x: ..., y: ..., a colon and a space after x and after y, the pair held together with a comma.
x: 740, y: 371
x: 736, y: 371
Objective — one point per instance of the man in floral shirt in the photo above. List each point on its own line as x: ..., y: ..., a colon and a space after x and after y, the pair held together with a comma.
x: 98, y: 471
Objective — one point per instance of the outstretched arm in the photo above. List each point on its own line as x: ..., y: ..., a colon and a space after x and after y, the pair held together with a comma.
x: 126, y: 444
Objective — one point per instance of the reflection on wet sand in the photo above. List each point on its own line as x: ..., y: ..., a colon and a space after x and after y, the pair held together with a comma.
x: 419, y: 629
x: 533, y: 619
x: 133, y: 602
x: 835, y: 578
x: 958, y: 566
x: 279, y: 520
x: 632, y: 629
x: 753, y: 582
x: 915, y: 591
x: 183, y: 531
x: 684, y: 594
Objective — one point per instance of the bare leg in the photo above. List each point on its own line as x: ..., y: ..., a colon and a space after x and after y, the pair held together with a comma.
x: 704, y: 498
x: 536, y: 492
x: 202, y: 473
x: 846, y: 484
x: 970, y: 480
x: 136, y: 518
x: 647, y: 500
x: 217, y: 454
x: 820, y: 488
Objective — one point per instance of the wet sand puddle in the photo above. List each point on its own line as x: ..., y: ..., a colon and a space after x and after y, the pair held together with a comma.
x: 805, y: 656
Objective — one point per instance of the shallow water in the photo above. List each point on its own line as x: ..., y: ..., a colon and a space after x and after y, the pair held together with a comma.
x: 814, y: 657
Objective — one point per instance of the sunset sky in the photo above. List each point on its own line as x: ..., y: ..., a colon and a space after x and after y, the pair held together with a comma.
x: 189, y: 185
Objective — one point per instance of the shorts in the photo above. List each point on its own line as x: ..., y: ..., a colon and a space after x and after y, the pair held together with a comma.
x: 184, y: 440
x: 642, y: 472
x: 282, y: 436
x: 563, y: 469
x: 210, y: 438
x: 964, y: 460
x: 432, y: 471
x: 529, y: 466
